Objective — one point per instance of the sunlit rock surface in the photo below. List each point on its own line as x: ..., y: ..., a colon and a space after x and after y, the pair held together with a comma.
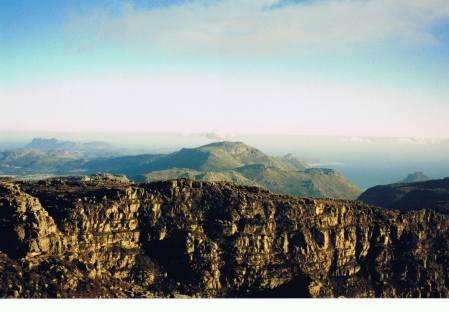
x: 106, y: 237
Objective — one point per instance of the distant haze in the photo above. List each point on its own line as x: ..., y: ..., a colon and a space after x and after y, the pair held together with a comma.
x: 367, y: 161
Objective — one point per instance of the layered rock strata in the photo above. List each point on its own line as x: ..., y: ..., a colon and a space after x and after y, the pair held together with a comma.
x: 102, y: 237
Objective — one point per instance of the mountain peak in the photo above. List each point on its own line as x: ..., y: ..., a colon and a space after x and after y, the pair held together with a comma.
x: 43, y: 143
x: 226, y: 145
x: 230, y: 155
x: 430, y: 194
x: 417, y: 176
x: 55, y: 144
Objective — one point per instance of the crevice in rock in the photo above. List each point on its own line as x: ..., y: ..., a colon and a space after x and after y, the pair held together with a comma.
x: 298, y: 287
x: 170, y: 254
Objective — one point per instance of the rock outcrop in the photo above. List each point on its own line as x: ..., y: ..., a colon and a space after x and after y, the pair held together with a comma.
x: 432, y: 194
x: 103, y: 237
x: 417, y: 176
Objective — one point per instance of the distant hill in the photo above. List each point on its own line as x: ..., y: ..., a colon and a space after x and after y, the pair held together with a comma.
x: 233, y: 162
x: 242, y: 164
x: 223, y: 156
x: 415, y: 177
x: 27, y: 161
x: 212, y: 157
x: 87, y: 149
x: 53, y: 157
x: 211, y: 176
x: 54, y: 144
x: 314, y: 182
x: 293, y: 162
x: 432, y: 194
x: 130, y: 165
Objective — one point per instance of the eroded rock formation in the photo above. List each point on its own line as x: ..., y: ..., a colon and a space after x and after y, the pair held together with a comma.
x: 102, y: 237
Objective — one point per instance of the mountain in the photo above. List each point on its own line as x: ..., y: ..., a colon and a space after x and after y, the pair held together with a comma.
x: 43, y: 157
x: 432, y: 194
x: 54, y: 144
x: 211, y: 176
x: 98, y: 237
x: 221, y: 156
x: 221, y: 161
x: 314, y: 182
x: 239, y: 163
x: 415, y: 177
x: 293, y: 162
x: 130, y: 165
x: 27, y: 161
x: 230, y: 155
x: 87, y: 149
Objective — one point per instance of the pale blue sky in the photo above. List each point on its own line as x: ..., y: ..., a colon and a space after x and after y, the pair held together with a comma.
x: 349, y: 67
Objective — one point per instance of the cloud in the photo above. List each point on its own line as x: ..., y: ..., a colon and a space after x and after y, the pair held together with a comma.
x: 283, y: 3
x: 218, y: 135
x: 186, y: 101
x: 356, y: 140
x: 194, y: 104
x: 246, y: 27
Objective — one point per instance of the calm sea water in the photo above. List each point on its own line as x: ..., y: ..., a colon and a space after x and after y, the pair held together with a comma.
x: 368, y: 173
x: 367, y: 163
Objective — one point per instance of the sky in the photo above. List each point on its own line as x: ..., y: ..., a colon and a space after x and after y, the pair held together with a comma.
x: 321, y: 67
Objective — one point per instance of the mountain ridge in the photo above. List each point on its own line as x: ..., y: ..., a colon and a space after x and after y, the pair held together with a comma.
x: 55, y: 144
x: 417, y: 176
x: 228, y: 161
x: 431, y: 194
x: 239, y: 163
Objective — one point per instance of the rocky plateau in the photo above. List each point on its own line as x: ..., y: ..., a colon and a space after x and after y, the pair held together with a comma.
x: 106, y: 237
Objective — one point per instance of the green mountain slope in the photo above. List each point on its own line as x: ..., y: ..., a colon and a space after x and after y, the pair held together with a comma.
x: 241, y: 164
x: 314, y: 182
x: 233, y: 162
x: 211, y: 176
x: 212, y: 157
x: 27, y: 161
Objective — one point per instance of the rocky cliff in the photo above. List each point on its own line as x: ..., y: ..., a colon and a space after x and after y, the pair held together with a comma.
x: 432, y: 194
x: 103, y: 237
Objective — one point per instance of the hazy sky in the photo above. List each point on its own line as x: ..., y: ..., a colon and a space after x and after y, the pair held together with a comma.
x: 345, y: 67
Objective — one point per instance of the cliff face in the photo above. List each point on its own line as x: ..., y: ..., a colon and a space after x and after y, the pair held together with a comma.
x: 432, y: 194
x: 97, y: 237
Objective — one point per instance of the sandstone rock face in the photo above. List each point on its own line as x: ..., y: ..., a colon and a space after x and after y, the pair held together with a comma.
x: 103, y: 237
x: 26, y: 229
